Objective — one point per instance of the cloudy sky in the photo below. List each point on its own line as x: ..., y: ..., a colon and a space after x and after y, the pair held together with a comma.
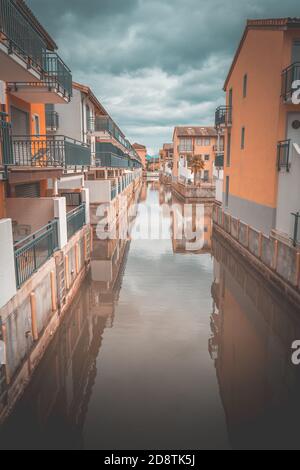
x: 153, y: 64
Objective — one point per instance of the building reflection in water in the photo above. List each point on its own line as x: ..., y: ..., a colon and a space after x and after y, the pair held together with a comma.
x: 252, y: 332
x: 53, y: 409
x: 191, y: 227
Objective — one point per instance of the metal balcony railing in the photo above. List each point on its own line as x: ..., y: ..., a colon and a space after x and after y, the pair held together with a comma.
x: 75, y: 220
x: 295, y: 228
x: 33, y: 251
x: 111, y: 160
x: 283, y: 154
x: 218, y: 150
x: 50, y: 151
x: 219, y: 161
x: 20, y: 37
x: 101, y: 123
x: 288, y: 77
x: 6, y: 150
x: 223, y: 116
x: 57, y: 74
x: 52, y: 120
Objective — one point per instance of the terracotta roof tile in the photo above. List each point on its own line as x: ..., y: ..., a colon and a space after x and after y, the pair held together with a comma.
x: 196, y: 131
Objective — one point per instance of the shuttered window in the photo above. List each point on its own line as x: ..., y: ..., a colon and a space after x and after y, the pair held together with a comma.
x: 28, y: 190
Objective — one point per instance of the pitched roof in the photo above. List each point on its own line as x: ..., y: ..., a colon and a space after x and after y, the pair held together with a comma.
x: 168, y: 146
x: 269, y: 23
x: 195, y: 131
x: 138, y: 146
x: 32, y: 19
x: 86, y: 90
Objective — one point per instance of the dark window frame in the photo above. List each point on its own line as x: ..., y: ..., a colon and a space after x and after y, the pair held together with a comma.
x: 243, y: 136
x: 245, y: 85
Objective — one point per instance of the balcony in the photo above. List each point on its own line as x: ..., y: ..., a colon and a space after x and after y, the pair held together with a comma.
x: 55, y: 85
x: 283, y: 154
x: 101, y: 124
x: 33, y: 251
x: 185, y: 149
x: 218, y: 150
x: 223, y: 116
x: 52, y: 121
x: 21, y: 47
x: 219, y: 160
x: 49, y: 151
x: 6, y: 149
x: 109, y: 155
x: 288, y: 77
x: 111, y: 160
x: 32, y: 73
x: 75, y: 220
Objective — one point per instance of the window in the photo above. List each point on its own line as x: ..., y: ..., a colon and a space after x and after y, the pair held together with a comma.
x: 245, y: 80
x: 227, y: 191
x: 36, y: 121
x: 296, y: 51
x: 243, y: 138
x: 185, y: 145
x: 203, y: 141
x: 206, y: 157
x: 206, y: 175
x: 228, y: 149
x: 230, y: 97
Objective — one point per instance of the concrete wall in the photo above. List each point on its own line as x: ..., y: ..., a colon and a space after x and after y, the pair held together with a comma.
x: 7, y: 264
x: 99, y: 190
x: 34, y: 212
x: 259, y: 216
x: 70, y: 118
x: 275, y: 254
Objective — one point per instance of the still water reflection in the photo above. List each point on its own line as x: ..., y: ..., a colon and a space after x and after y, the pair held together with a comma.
x: 165, y: 348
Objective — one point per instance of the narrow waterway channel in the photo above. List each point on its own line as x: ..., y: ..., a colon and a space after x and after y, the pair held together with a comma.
x: 165, y: 348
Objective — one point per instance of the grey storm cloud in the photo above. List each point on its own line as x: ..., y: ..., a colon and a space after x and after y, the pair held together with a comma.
x: 153, y: 64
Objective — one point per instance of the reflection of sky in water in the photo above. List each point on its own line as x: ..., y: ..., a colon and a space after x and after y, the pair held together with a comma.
x: 156, y: 386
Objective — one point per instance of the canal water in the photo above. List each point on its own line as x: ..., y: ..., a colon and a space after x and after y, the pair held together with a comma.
x: 168, y: 345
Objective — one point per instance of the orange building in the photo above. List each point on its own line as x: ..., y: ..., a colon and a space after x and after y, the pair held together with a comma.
x: 189, y: 141
x: 166, y: 158
x: 261, y: 162
x: 141, y: 150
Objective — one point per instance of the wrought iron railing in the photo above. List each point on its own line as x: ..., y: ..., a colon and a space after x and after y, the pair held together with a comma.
x: 50, y: 151
x: 6, y: 150
x: 18, y: 34
x: 33, y: 251
x: 75, y: 220
x: 295, y: 228
x: 288, y: 77
x: 223, y: 116
x: 283, y: 154
x: 52, y: 120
